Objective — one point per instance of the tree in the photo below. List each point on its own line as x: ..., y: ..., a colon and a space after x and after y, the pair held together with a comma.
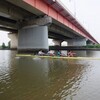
x: 3, y: 45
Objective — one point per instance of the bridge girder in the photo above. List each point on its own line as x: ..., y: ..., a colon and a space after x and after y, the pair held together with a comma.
x: 13, y: 9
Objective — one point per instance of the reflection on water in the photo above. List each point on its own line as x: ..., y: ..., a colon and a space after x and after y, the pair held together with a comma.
x: 25, y: 78
x: 93, y: 53
x: 81, y: 53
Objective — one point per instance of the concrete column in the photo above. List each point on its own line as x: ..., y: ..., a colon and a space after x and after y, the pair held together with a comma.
x: 88, y: 42
x: 77, y: 42
x: 33, y: 38
x: 57, y: 42
x: 14, y: 40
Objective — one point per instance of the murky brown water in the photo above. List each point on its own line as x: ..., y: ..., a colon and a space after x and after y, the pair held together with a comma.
x: 49, y: 79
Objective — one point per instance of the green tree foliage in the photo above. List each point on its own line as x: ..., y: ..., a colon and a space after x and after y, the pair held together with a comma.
x: 93, y: 46
x: 3, y: 45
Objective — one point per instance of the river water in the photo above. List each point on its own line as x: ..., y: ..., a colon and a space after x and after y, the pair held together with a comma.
x: 29, y: 78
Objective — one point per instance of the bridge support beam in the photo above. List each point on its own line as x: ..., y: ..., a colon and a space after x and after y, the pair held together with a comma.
x: 57, y: 42
x: 14, y: 40
x: 77, y: 42
x: 33, y: 38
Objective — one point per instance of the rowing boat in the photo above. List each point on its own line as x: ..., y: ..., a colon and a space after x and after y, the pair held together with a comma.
x: 58, y: 57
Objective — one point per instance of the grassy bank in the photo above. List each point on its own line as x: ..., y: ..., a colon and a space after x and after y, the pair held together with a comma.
x: 93, y: 46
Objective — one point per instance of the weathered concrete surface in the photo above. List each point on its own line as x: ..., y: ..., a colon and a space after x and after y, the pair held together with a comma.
x: 33, y: 38
x: 14, y: 40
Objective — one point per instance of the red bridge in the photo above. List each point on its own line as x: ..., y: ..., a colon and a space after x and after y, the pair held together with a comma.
x: 36, y: 20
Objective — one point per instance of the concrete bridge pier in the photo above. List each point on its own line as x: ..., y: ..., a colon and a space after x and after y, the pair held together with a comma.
x: 33, y: 34
x: 77, y: 42
x: 88, y: 42
x: 33, y: 38
x: 14, y: 40
x: 57, y: 42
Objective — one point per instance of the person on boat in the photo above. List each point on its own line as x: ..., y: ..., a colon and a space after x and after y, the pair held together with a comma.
x: 41, y: 53
x: 50, y: 53
x: 70, y: 54
x: 58, y: 53
x: 63, y: 55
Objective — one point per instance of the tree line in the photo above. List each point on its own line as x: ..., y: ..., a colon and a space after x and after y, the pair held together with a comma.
x: 3, y: 46
x: 93, y: 46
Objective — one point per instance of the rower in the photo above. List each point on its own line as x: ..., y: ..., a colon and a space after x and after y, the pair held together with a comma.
x: 50, y: 53
x: 71, y: 54
x: 41, y: 53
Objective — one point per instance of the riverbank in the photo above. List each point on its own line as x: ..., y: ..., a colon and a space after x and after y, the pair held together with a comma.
x: 73, y: 48
x: 91, y: 49
x: 7, y: 49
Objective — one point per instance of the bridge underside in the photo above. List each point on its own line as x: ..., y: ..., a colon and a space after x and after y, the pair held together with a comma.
x: 14, y: 17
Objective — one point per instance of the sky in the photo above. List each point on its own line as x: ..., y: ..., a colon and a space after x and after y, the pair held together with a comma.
x: 85, y: 11
x: 4, y: 37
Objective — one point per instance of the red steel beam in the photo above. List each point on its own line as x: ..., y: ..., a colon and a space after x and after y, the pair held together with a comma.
x: 50, y: 11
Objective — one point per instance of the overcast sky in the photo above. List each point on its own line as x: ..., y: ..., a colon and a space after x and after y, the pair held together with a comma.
x: 86, y: 11
x: 4, y: 37
x: 88, y: 14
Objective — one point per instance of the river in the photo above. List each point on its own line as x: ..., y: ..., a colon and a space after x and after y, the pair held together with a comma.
x: 26, y: 78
